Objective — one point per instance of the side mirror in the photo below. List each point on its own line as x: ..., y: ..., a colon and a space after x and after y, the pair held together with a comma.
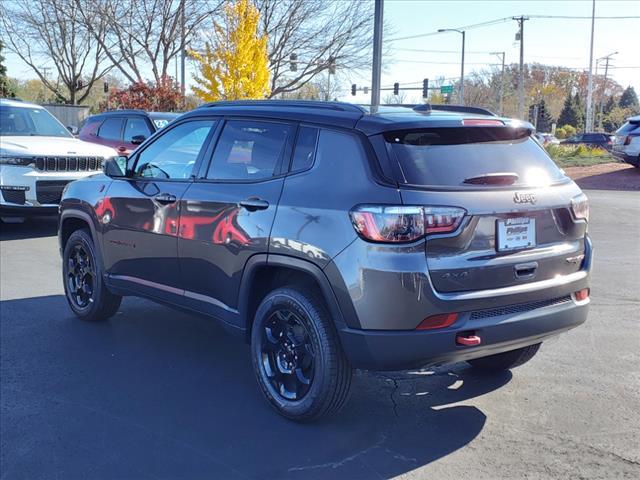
x: 73, y: 130
x: 115, y: 167
x: 137, y: 139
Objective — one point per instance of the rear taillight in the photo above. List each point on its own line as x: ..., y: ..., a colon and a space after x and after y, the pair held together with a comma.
x: 396, y: 224
x: 580, y: 207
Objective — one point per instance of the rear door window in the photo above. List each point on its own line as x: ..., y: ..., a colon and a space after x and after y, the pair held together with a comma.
x: 628, y: 128
x: 111, y: 129
x: 249, y: 150
x: 466, y: 157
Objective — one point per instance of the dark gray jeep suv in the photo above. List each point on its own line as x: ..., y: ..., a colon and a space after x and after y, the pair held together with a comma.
x: 334, y: 238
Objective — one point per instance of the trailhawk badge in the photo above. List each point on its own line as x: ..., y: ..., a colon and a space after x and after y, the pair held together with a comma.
x: 524, y: 198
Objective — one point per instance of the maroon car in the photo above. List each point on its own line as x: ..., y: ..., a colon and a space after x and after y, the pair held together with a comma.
x: 123, y: 130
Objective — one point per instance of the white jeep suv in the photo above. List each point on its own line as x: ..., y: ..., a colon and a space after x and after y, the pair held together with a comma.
x: 38, y: 157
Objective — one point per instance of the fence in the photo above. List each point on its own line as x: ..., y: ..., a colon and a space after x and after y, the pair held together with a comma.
x: 69, y: 115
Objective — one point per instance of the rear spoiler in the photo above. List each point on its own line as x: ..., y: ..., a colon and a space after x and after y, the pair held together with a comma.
x: 426, y: 107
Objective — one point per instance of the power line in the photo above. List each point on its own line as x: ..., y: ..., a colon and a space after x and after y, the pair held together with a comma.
x: 505, y: 19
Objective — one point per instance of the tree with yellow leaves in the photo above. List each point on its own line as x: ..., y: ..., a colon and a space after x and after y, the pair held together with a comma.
x: 236, y: 66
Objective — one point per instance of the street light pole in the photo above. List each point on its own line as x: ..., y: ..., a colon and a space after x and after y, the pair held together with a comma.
x: 377, y: 54
x: 462, y: 32
x: 604, y: 84
x: 500, y: 54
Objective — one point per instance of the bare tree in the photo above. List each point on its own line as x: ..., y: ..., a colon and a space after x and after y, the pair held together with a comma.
x: 45, y: 33
x: 322, y: 35
x: 145, y: 35
x: 400, y: 99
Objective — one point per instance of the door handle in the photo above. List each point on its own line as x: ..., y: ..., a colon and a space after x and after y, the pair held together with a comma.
x: 254, y: 203
x: 165, y: 198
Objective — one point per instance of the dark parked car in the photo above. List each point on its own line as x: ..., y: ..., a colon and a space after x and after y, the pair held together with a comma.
x: 332, y: 238
x: 124, y: 130
x: 602, y: 140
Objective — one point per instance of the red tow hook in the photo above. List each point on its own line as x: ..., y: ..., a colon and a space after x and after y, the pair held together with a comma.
x: 468, y: 340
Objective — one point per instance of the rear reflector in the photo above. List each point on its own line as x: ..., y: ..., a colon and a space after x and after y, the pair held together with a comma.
x: 581, y: 295
x: 468, y: 340
x: 438, y: 321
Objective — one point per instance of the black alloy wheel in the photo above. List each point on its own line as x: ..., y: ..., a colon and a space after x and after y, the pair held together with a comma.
x: 287, y: 354
x: 80, y: 277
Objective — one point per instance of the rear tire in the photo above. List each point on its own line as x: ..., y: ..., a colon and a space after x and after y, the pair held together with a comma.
x: 83, y: 281
x: 297, y: 358
x: 506, y: 360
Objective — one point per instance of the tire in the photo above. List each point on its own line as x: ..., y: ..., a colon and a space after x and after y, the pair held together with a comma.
x: 83, y: 282
x: 297, y: 358
x: 506, y: 360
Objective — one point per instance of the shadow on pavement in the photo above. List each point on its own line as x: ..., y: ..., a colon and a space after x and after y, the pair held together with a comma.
x: 31, y: 228
x: 156, y: 393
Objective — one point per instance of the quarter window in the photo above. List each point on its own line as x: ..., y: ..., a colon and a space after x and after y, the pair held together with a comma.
x: 173, y: 154
x: 136, y: 126
x: 248, y: 150
x: 111, y: 129
x: 305, y: 149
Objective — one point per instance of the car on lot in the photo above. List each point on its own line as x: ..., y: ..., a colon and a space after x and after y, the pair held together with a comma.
x: 592, y: 139
x: 124, y: 130
x: 333, y: 237
x: 626, y: 145
x: 38, y: 157
x: 546, y: 139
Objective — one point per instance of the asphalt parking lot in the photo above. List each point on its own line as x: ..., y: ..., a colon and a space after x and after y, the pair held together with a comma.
x: 154, y: 393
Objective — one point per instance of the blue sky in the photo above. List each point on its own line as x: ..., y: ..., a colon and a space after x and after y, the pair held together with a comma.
x: 551, y: 41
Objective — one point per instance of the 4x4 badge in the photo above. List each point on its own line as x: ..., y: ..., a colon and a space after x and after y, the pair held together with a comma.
x: 524, y: 198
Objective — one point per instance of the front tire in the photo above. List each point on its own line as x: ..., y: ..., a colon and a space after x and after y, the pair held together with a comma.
x: 83, y: 281
x: 297, y: 358
x: 506, y: 360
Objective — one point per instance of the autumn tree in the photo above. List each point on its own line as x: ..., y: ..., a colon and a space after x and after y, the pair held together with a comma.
x: 162, y: 96
x: 235, y: 65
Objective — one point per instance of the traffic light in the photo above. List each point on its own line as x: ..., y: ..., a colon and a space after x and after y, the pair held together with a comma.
x: 79, y: 84
x: 353, y: 89
x: 106, y: 87
x: 531, y: 112
x: 541, y: 110
x: 396, y: 88
x: 425, y: 88
x: 293, y: 62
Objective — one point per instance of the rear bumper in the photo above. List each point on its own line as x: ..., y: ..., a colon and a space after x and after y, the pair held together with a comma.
x: 399, y: 350
x: 625, y: 157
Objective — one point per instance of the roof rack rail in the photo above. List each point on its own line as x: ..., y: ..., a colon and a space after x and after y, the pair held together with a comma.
x: 453, y: 108
x: 122, y: 110
x: 339, y: 106
x: 16, y: 99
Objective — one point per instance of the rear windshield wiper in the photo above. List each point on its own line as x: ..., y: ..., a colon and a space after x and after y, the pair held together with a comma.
x: 493, y: 179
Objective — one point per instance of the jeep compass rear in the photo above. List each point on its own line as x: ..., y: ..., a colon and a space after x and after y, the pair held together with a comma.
x: 333, y: 239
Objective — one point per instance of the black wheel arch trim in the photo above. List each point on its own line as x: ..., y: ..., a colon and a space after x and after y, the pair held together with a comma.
x: 261, y: 260
x: 86, y: 218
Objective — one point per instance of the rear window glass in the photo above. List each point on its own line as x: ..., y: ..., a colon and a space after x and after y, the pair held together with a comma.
x: 628, y: 128
x: 471, y: 156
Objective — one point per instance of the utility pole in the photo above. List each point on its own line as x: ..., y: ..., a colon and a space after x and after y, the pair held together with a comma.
x: 500, y: 54
x: 589, y: 120
x: 521, y: 21
x: 377, y: 54
x: 604, y: 84
x: 182, y: 53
